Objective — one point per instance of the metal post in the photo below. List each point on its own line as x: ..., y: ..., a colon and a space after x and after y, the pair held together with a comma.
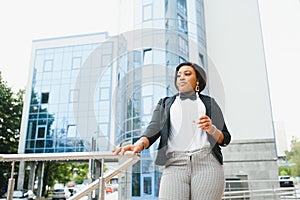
x: 32, y: 166
x: 72, y: 156
x: 102, y: 182
x: 21, y: 175
x: 274, y: 192
x: 92, y: 168
x: 40, y: 178
x: 11, y: 182
x: 229, y: 189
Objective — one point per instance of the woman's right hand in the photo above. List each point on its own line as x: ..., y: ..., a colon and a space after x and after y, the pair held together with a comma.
x: 135, y: 148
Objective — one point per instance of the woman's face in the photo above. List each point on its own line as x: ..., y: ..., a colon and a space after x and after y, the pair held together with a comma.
x: 186, y: 79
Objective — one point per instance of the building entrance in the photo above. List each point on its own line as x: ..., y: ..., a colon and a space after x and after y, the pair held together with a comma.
x: 147, y: 185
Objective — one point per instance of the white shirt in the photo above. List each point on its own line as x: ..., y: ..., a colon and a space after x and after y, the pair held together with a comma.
x: 184, y: 132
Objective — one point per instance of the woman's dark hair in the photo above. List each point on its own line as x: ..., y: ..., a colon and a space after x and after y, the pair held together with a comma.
x: 200, y: 74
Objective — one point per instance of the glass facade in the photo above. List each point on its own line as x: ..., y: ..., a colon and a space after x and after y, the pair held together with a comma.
x: 147, y: 74
x: 94, y: 92
x: 107, y: 90
x: 51, y: 123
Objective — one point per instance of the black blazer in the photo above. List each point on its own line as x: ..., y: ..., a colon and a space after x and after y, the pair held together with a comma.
x: 160, y: 124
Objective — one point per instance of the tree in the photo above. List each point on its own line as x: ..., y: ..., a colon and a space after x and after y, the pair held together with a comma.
x: 10, y: 117
x: 64, y: 172
x: 293, y: 156
x: 10, y: 120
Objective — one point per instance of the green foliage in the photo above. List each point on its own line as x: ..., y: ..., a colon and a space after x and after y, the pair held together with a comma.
x: 81, y: 173
x: 10, y: 117
x: 292, y: 156
x: 284, y: 170
x: 11, y: 105
x: 64, y: 172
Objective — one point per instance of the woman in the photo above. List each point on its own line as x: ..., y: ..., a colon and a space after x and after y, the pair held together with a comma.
x: 191, y: 129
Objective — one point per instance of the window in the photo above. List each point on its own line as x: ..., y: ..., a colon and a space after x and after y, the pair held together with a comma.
x: 166, y: 6
x: 106, y: 59
x: 136, y: 59
x: 136, y: 177
x: 167, y: 24
x: 41, y: 132
x: 201, y: 57
x: 44, y: 97
x: 147, y: 103
x: 183, y: 45
x: 103, y: 129
x: 147, y: 12
x: 48, y: 64
x: 181, y: 23
x: 147, y: 56
x: 76, y: 62
x: 104, y: 94
x: 147, y: 185
x: 73, y: 96
x: 200, y: 18
x: 181, y: 59
x: 71, y: 131
x: 181, y: 5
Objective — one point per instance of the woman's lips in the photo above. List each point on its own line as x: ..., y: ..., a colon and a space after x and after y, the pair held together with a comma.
x: 182, y: 83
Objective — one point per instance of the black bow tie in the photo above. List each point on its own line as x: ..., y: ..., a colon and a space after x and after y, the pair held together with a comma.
x: 184, y: 96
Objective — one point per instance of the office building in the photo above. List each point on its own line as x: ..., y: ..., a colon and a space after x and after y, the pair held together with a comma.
x: 105, y: 87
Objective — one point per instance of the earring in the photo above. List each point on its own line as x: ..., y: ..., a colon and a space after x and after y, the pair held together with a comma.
x: 197, y: 87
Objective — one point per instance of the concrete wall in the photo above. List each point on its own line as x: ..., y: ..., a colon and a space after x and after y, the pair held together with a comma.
x: 238, y: 80
x: 237, y: 66
x: 251, y: 157
x: 252, y: 160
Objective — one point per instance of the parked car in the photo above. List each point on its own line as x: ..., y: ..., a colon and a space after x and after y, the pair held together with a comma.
x: 286, y: 181
x: 110, y: 188
x: 22, y: 194
x: 62, y: 193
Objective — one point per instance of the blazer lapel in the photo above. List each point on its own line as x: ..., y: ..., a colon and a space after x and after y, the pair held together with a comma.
x: 207, y: 103
x: 168, y: 104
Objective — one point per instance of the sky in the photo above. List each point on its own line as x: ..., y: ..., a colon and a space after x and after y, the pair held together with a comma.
x: 23, y: 21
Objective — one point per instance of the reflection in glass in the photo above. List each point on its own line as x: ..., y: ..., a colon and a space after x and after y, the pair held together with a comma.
x: 41, y: 132
x: 136, y: 180
x: 48, y: 64
x: 52, y: 125
x: 147, y: 56
x: 147, y: 166
x: 72, y: 131
x: 147, y: 185
x: 76, y: 62
x: 147, y: 12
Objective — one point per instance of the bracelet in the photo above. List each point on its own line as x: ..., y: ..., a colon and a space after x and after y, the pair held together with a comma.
x: 214, y: 130
x: 143, y: 143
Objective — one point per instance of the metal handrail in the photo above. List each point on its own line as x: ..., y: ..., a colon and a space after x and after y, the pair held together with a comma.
x: 104, y: 155
x: 252, y: 194
x: 276, y: 191
x: 97, y: 183
x: 62, y: 156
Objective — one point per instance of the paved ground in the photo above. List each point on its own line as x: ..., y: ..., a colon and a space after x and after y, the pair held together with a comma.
x: 109, y: 196
x: 112, y: 196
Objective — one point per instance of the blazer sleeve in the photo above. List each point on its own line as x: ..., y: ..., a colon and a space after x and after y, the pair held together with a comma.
x: 153, y: 130
x: 218, y: 120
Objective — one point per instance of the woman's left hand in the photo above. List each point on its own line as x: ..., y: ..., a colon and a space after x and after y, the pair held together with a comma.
x: 205, y: 123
